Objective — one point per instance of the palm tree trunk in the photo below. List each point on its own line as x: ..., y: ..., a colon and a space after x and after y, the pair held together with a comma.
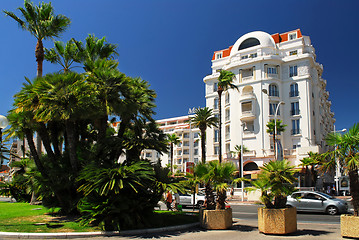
x: 203, y: 145
x: 39, y: 55
x: 55, y: 138
x: 171, y: 158
x: 221, y: 201
x: 46, y: 141
x: 30, y: 142
x: 354, y: 190
x: 210, y: 202
x: 220, y: 123
x: 71, y: 140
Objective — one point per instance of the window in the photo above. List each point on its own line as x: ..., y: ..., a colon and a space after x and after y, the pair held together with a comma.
x: 294, y: 108
x: 179, y: 152
x: 292, y: 36
x: 186, y: 143
x: 250, y: 42
x: 253, y: 55
x: 185, y: 135
x: 227, y: 98
x: 218, y: 55
x: 228, y: 132
x: 294, y: 90
x: 295, y: 127
x: 195, y: 144
x: 195, y: 151
x: 291, y: 53
x: 293, y: 71
x: 249, y: 127
x: 185, y: 160
x: 195, y: 160
x: 215, y: 87
x: 215, y: 105
x: 273, y: 108
x: 179, y: 161
x: 227, y: 114
x: 195, y: 135
x: 228, y: 148
x: 247, y: 73
x: 148, y: 154
x: 244, y: 57
x: 186, y: 151
x: 273, y: 90
x: 246, y: 107
x: 216, y: 150
x: 272, y: 70
x: 216, y: 135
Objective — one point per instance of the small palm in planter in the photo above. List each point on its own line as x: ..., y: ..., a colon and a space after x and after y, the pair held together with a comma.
x: 216, y: 176
x: 276, y: 183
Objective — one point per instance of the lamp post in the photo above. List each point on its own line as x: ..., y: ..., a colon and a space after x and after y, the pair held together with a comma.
x: 244, y: 127
x: 190, y: 112
x: 337, y: 168
x: 3, y: 124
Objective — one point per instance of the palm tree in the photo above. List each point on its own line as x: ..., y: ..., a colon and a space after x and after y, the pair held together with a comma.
x: 346, y: 151
x: 225, y: 80
x: 238, y: 152
x: 279, y: 128
x: 64, y: 55
x: 173, y: 139
x: 43, y: 24
x: 312, y: 161
x: 204, y: 118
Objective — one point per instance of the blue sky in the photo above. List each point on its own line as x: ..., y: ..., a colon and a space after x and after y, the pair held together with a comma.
x: 170, y: 43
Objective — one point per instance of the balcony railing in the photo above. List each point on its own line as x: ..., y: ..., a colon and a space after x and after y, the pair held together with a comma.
x: 274, y: 93
x: 294, y: 112
x: 293, y: 93
x: 296, y: 131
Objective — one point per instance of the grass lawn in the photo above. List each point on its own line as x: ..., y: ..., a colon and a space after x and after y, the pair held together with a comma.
x: 22, y: 217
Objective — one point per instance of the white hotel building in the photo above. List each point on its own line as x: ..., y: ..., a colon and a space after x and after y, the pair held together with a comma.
x: 269, y: 69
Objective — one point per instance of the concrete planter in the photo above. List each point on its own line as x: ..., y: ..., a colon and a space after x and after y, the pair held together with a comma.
x: 277, y: 221
x: 216, y: 219
x: 349, y: 226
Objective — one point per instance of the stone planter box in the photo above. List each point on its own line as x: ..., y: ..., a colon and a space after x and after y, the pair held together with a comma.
x: 277, y: 221
x: 349, y: 226
x: 216, y: 219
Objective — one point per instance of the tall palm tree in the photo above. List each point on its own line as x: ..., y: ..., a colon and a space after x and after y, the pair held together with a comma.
x: 279, y: 128
x: 346, y: 151
x: 225, y: 82
x: 204, y: 118
x: 43, y: 24
x: 173, y: 139
x: 312, y: 161
x: 238, y: 152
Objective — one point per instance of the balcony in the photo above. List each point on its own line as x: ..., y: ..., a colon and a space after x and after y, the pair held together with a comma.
x: 273, y: 93
x: 248, y: 115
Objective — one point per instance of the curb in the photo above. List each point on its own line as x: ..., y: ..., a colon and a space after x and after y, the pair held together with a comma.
x: 95, y: 234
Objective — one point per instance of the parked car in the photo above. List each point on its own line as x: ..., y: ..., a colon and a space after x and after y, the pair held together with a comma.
x: 317, y: 202
x: 187, y: 199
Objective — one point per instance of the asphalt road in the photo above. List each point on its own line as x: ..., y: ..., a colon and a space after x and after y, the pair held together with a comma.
x: 249, y: 212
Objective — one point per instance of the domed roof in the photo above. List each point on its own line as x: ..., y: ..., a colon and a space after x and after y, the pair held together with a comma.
x: 257, y: 38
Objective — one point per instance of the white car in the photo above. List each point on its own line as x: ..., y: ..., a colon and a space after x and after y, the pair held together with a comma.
x: 187, y: 199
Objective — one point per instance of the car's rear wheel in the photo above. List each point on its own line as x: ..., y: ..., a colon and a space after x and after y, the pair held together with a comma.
x: 200, y: 204
x: 332, y: 210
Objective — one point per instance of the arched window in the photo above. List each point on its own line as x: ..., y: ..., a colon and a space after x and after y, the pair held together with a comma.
x: 294, y: 90
x: 273, y: 90
x: 250, y: 42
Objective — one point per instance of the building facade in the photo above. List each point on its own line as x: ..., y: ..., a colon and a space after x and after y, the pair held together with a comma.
x: 187, y: 152
x: 270, y: 70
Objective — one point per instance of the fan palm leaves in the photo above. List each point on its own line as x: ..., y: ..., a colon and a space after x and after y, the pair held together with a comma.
x: 64, y: 55
x: 202, y: 119
x: 225, y: 82
x: 346, y: 153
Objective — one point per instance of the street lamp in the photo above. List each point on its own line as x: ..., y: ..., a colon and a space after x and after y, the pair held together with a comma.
x: 337, y: 169
x: 3, y: 124
x: 244, y: 127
